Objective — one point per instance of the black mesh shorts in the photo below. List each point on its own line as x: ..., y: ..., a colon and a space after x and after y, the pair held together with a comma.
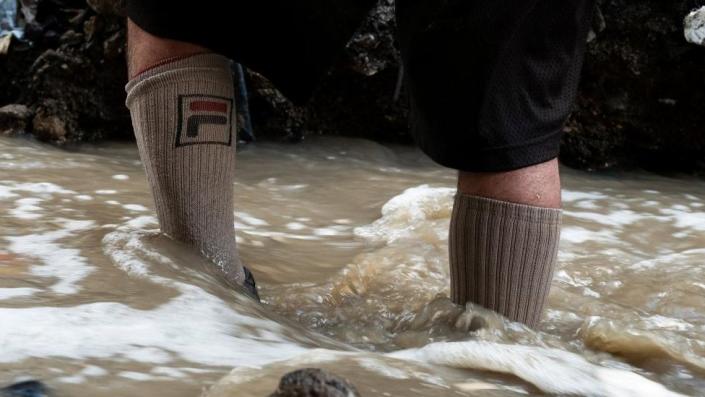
x: 490, y: 82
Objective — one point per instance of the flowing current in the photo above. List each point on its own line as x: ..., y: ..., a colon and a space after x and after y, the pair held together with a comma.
x: 348, y: 242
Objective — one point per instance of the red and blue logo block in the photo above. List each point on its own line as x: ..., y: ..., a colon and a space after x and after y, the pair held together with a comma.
x: 204, y: 119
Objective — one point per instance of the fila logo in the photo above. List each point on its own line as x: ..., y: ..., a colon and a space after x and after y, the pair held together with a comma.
x: 204, y: 119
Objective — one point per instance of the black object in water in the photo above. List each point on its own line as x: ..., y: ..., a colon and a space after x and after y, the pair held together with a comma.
x: 30, y: 388
x: 314, y: 382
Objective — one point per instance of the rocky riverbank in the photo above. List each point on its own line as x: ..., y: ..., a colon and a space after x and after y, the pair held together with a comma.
x: 639, y: 104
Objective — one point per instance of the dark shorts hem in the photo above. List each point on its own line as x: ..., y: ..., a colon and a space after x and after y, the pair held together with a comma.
x: 491, y: 83
x: 499, y: 159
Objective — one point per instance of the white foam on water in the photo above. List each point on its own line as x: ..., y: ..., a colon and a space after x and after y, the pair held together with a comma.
x: 335, y: 230
x: 382, y: 368
x: 667, y: 323
x: 614, y: 218
x: 290, y: 188
x: 25, y: 165
x: 573, y: 195
x: 194, y: 326
x: 551, y: 370
x: 691, y: 197
x: 73, y: 379
x: 56, y: 261
x: 578, y: 235
x: 6, y: 192
x: 405, y: 213
x: 93, y: 370
x: 27, y: 208
x: 10, y: 293
x: 169, y: 372
x: 90, y: 371
x: 249, y: 219
x: 277, y: 236
x: 657, y: 336
x: 296, y: 226
x: 121, y: 177
x: 42, y: 188
x: 587, y: 205
x: 138, y: 376
x: 135, y: 207
x: 667, y: 260
x: 683, y: 217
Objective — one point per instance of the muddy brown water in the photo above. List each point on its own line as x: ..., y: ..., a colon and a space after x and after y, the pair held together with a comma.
x: 347, y: 239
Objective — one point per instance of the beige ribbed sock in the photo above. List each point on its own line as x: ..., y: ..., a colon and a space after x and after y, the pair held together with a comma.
x: 502, y: 255
x: 183, y: 115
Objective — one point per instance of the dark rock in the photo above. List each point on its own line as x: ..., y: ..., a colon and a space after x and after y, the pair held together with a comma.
x: 79, y: 18
x: 355, y: 99
x: 314, y: 382
x: 92, y: 26
x: 642, y: 90
x: 114, y: 46
x: 31, y: 388
x: 372, y: 50
x: 108, y: 7
x: 14, y: 119
x: 82, y: 88
x: 49, y: 127
x: 694, y: 27
x: 71, y: 37
x: 75, y: 83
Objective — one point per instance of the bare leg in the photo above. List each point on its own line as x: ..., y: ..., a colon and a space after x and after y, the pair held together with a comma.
x: 145, y: 50
x: 503, y: 239
x: 538, y: 185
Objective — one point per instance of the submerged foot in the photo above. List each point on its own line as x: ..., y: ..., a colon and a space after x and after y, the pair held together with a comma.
x: 249, y: 285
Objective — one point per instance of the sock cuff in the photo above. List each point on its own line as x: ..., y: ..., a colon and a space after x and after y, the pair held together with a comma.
x: 208, y: 67
x: 506, y: 209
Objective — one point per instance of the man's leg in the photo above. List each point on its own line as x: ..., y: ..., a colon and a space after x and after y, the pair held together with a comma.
x: 491, y: 84
x: 503, y: 239
x: 180, y: 98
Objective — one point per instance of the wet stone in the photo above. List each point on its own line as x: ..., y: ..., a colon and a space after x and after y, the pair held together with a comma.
x: 113, y: 46
x: 49, y: 127
x: 13, y: 119
x: 92, y: 26
x: 694, y: 30
x: 314, y: 382
x: 108, y: 7
x: 30, y: 388
x: 71, y: 37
